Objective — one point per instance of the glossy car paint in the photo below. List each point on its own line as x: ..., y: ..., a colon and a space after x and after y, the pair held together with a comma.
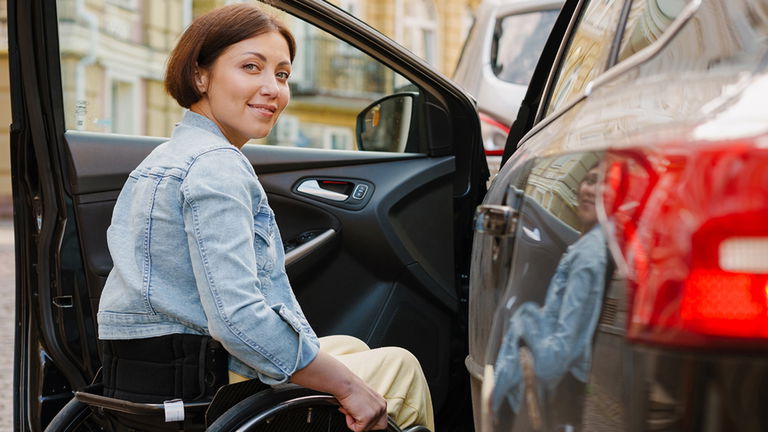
x: 695, y: 92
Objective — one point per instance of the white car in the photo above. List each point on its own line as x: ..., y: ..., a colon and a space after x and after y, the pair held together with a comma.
x: 497, y: 63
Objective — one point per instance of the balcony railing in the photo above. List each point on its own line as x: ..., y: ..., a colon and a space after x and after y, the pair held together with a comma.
x: 335, y: 68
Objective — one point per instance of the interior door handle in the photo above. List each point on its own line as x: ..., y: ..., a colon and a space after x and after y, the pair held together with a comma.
x: 312, y: 187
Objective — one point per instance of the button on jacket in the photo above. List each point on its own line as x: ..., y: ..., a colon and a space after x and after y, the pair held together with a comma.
x: 196, y: 250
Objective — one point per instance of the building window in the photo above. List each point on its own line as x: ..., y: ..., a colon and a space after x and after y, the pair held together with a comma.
x: 336, y: 138
x: 419, y: 28
x: 123, y: 104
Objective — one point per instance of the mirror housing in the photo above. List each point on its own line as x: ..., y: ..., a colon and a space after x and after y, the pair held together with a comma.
x: 385, y: 125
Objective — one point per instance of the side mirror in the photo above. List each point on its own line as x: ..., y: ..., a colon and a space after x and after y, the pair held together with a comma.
x: 386, y: 124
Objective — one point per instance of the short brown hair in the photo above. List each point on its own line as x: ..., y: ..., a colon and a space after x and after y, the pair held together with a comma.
x: 207, y: 37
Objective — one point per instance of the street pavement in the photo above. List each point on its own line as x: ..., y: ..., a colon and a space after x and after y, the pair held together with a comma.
x: 7, y: 312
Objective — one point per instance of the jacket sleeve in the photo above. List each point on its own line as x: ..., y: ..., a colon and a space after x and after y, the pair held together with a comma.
x: 220, y: 194
x: 578, y: 313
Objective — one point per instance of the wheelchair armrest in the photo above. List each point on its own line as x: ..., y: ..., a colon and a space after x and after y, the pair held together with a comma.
x: 135, y: 408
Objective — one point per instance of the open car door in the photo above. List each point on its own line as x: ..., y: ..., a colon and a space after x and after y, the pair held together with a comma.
x: 375, y: 218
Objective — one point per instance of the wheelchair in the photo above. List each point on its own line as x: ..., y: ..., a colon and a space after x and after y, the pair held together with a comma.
x: 247, y: 406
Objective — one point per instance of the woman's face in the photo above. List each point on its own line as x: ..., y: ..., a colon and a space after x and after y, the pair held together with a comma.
x: 246, y: 88
x: 586, y: 196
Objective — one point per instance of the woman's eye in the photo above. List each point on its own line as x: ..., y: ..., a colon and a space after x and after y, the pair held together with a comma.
x: 283, y: 75
x: 250, y: 67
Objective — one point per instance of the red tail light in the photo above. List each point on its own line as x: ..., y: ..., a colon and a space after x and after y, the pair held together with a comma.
x: 689, y: 225
x: 494, y: 135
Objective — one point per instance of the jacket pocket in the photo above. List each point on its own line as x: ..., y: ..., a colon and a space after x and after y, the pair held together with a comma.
x: 264, y: 241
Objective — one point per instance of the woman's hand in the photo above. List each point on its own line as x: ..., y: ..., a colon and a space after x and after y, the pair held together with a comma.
x: 364, y: 408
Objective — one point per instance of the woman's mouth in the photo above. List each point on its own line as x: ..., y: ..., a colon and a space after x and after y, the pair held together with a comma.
x: 263, y: 109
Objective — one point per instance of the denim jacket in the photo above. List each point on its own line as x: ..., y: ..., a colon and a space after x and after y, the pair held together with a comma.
x: 196, y: 250
x: 559, y: 333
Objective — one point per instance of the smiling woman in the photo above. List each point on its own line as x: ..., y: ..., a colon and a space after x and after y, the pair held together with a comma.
x: 193, y: 222
x: 246, y: 88
x: 250, y: 88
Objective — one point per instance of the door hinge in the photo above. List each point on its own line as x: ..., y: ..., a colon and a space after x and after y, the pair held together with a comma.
x: 496, y: 220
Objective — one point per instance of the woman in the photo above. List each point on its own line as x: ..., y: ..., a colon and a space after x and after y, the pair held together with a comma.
x: 559, y: 332
x: 196, y: 249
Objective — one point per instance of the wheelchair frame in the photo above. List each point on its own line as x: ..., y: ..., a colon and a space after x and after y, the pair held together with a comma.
x: 233, y: 408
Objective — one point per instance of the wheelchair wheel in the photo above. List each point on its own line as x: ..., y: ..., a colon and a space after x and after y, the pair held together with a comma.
x: 292, y: 408
x: 76, y: 416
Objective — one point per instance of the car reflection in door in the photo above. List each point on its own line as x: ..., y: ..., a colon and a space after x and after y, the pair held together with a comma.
x: 544, y: 356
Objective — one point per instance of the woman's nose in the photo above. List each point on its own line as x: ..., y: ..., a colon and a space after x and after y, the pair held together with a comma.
x: 269, y: 86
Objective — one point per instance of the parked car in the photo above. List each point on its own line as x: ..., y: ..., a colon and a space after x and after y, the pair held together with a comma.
x: 378, y: 239
x: 497, y: 62
x: 623, y: 243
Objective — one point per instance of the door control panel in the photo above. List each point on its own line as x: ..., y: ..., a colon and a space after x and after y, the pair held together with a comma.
x: 360, y: 191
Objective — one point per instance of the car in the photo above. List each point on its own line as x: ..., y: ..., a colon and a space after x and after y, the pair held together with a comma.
x: 377, y: 234
x: 497, y: 61
x: 622, y: 245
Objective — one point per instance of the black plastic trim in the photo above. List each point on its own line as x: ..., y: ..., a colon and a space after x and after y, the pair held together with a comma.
x: 90, y: 175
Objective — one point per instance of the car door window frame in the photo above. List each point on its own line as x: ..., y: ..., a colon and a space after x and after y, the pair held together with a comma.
x: 554, y: 74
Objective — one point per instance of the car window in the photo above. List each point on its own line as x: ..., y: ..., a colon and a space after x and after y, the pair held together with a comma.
x: 517, y: 43
x: 113, y: 55
x: 646, y: 22
x: 587, y: 52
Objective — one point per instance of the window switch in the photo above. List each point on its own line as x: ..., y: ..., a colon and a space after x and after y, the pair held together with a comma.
x: 360, y: 191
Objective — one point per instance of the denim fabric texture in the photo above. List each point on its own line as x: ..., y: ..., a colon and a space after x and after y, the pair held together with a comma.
x: 559, y: 333
x: 196, y: 250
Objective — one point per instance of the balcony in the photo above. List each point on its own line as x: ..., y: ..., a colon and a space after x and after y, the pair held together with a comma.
x: 334, y: 68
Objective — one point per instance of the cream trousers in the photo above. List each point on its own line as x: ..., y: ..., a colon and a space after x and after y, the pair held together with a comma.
x: 391, y: 371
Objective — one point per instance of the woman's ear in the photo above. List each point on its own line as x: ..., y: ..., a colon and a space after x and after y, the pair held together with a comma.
x: 201, y: 79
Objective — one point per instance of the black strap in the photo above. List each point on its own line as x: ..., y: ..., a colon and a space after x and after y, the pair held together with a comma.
x: 153, y: 370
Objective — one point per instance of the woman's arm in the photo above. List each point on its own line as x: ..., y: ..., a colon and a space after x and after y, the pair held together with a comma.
x: 219, y: 202
x: 220, y: 193
x: 365, y: 409
x: 578, y: 311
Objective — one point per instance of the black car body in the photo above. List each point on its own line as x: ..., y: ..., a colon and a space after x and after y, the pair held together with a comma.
x: 389, y: 267
x: 662, y: 327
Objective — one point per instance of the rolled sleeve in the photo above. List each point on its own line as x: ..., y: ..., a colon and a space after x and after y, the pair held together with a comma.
x: 220, y: 193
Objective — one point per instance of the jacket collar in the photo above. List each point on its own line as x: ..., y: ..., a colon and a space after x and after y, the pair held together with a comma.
x: 196, y: 120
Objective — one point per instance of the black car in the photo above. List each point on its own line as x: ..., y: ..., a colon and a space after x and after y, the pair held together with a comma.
x: 377, y: 239
x: 623, y: 245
